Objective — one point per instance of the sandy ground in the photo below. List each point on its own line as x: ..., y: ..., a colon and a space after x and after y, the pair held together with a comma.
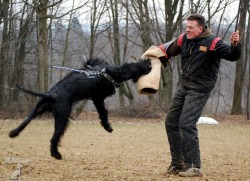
x: 135, y: 151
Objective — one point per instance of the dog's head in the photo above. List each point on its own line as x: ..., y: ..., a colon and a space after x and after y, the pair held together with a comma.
x: 129, y: 71
x: 144, y: 65
x: 118, y: 74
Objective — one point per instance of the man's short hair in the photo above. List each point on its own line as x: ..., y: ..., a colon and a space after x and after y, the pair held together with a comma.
x: 199, y: 18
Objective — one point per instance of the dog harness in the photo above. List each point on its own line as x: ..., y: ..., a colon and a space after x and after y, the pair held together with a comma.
x: 92, y: 74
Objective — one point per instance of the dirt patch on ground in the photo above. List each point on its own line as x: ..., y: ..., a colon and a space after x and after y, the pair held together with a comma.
x: 136, y: 150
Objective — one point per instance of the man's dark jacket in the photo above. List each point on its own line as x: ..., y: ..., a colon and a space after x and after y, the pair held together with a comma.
x: 200, y: 65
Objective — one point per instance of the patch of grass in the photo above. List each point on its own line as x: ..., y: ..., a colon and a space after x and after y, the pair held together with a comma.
x: 134, y: 151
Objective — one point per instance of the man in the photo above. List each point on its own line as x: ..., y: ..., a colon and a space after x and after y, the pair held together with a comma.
x: 200, y: 60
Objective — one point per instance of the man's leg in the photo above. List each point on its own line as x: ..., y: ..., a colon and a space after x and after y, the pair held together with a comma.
x: 192, y: 109
x: 172, y: 129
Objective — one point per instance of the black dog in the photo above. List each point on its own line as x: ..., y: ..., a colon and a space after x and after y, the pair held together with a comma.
x: 96, y: 81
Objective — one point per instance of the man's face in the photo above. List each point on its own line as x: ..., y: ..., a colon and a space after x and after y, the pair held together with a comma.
x: 193, y: 30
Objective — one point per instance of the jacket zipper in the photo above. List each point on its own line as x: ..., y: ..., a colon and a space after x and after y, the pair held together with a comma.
x: 190, y: 59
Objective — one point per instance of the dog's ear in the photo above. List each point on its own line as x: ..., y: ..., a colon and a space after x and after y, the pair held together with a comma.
x: 84, y: 65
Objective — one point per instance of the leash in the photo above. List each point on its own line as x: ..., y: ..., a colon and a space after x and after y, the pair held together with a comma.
x: 92, y: 74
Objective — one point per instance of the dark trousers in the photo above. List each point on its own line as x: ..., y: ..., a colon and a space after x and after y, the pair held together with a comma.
x: 181, y: 129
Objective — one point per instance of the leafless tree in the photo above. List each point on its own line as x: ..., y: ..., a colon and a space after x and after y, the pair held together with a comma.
x: 240, y: 64
x: 247, y: 59
x: 26, y: 28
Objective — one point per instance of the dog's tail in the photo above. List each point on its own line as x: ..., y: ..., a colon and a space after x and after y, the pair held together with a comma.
x: 42, y: 106
x: 33, y: 93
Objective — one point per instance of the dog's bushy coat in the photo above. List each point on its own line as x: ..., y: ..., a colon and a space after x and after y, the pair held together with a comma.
x: 77, y: 86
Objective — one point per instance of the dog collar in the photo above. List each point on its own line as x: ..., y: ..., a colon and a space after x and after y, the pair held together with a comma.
x: 103, y: 72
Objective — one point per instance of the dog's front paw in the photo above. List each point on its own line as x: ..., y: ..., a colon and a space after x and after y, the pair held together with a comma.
x: 56, y: 155
x: 14, y: 133
x: 107, y: 127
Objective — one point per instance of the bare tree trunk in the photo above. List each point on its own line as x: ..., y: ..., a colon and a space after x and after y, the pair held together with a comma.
x: 95, y: 18
x: 195, y: 7
x: 4, y: 57
x: 247, y: 59
x: 171, y: 8
x: 141, y: 13
x: 26, y: 28
x: 209, y: 13
x: 66, y: 44
x: 124, y: 89
x: 116, y: 32
x: 93, y: 29
x: 42, y: 45
x: 240, y: 72
x: 144, y: 26
x: 145, y: 23
x: 221, y: 18
x: 116, y: 40
x: 94, y: 23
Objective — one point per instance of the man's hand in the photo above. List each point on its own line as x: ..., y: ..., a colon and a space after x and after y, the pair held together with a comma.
x: 235, y: 38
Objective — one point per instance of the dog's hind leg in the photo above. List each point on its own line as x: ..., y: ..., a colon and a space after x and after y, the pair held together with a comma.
x: 39, y: 109
x: 61, y: 112
x: 103, y: 114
